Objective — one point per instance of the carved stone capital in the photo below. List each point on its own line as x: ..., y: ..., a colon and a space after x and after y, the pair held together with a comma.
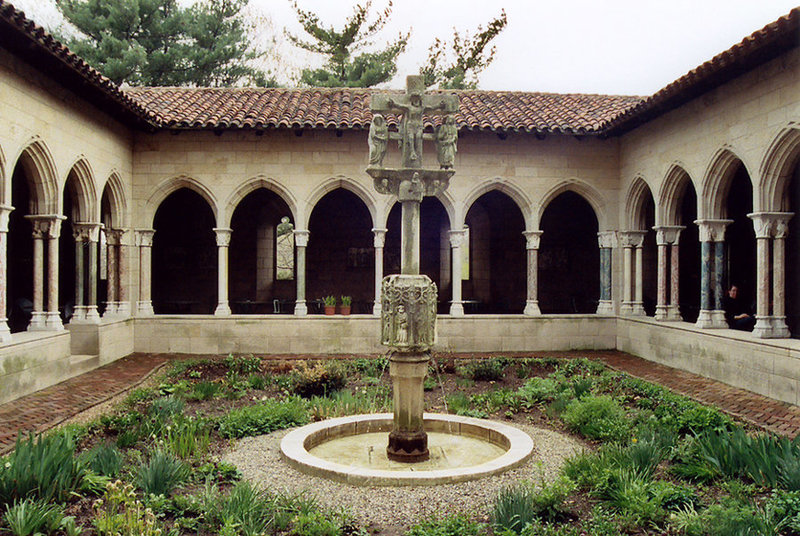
x: 86, y: 232
x: 46, y: 225
x: 144, y: 237
x: 378, y: 237
x: 301, y: 238
x: 223, y: 236
x: 668, y: 234
x: 5, y: 212
x: 769, y: 224
x: 532, y: 239
x: 457, y: 237
x: 114, y: 236
x: 631, y: 239
x: 607, y: 239
x: 712, y: 230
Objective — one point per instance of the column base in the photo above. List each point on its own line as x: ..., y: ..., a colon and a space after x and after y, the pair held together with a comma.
x: 300, y: 308
x: 763, y: 327
x: 779, y: 328
x: 662, y: 313
x: 532, y: 308
x: 718, y: 319
x: 78, y: 314
x: 704, y: 320
x: 92, y: 316
x: 674, y: 314
x: 111, y: 310
x: 456, y: 308
x: 605, y: 307
x: 145, y: 308
x: 54, y: 322
x: 637, y: 309
x: 5, y: 333
x: 626, y: 309
x: 377, y: 308
x: 38, y: 321
x: 223, y: 309
x: 408, y: 447
x: 123, y: 309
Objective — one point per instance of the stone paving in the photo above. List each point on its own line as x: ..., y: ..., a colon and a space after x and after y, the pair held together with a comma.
x: 47, y: 408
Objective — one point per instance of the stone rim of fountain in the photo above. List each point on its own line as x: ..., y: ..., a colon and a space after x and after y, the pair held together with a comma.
x: 296, y: 444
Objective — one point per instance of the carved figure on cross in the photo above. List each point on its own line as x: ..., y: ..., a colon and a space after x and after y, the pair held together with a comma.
x: 412, y: 106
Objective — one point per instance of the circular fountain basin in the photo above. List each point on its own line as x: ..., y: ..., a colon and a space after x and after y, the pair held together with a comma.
x: 353, y: 450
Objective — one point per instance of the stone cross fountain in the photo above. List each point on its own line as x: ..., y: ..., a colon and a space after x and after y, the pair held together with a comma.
x: 408, y: 317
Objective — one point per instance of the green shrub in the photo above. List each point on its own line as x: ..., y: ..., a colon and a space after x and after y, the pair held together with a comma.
x: 634, y: 495
x: 449, y: 525
x: 485, y: 369
x: 518, y: 506
x: 319, y: 379
x: 263, y: 418
x: 204, y: 391
x: 786, y: 506
x: 43, y: 467
x: 161, y: 474
x: 257, y: 381
x: 33, y: 517
x: 188, y: 437
x: 104, y: 459
x: 597, y: 417
x: 119, y: 513
x: 243, y: 365
x: 248, y: 510
x: 538, y: 390
x: 372, y: 368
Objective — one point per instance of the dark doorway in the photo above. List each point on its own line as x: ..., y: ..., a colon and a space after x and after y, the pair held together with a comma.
x: 793, y: 256
x: 20, y: 254
x: 689, y: 255
x: 740, y: 237
x: 649, y: 258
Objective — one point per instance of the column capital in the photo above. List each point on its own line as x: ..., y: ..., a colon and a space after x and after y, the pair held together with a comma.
x: 5, y: 212
x: 114, y: 236
x: 607, y: 239
x: 712, y: 230
x: 457, y: 237
x: 46, y: 225
x: 769, y: 224
x: 532, y: 239
x: 379, y: 237
x: 223, y: 236
x: 144, y: 237
x: 86, y: 232
x: 668, y: 234
x: 301, y: 238
x: 631, y: 239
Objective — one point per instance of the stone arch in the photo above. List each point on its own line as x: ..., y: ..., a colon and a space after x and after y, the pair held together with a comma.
x: 80, y: 180
x: 776, y: 170
x: 502, y: 185
x: 582, y: 188
x: 638, y: 194
x: 331, y: 185
x: 41, y: 171
x: 117, y: 200
x: 252, y: 185
x: 444, y: 198
x: 173, y: 184
x: 672, y: 189
x: 717, y: 182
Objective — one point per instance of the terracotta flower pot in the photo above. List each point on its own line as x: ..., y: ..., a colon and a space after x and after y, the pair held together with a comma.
x: 344, y: 310
x: 330, y: 310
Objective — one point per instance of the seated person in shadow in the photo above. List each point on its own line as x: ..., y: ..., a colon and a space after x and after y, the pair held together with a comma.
x: 737, y: 312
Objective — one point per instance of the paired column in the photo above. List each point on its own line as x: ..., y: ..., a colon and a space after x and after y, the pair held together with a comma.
x: 379, y: 240
x: 45, y: 227
x: 667, y: 237
x: 633, y: 244
x: 532, y: 240
x: 712, y: 272
x: 123, y: 304
x: 87, y: 236
x: 771, y: 227
x: 144, y: 242
x: 223, y: 243
x: 606, y: 241
x: 5, y: 332
x: 300, y: 243
x: 456, y: 241
x: 113, y: 237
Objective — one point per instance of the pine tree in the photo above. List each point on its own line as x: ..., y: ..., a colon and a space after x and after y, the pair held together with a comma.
x: 161, y: 43
x: 343, y: 68
x: 469, y: 57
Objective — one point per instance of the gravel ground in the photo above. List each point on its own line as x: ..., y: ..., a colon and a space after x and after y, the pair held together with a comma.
x: 259, y: 459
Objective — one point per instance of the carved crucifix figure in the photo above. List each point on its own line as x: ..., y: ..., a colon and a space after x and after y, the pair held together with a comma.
x: 412, y: 106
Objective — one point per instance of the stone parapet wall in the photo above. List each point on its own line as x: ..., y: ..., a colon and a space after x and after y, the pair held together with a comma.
x: 34, y: 361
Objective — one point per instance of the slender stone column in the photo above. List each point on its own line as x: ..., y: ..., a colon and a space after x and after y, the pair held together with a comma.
x: 301, y: 242
x: 779, y: 327
x: 112, y: 269
x: 674, y: 311
x: 532, y: 241
x: 54, y: 232
x: 606, y: 241
x: 92, y: 316
x: 712, y: 243
x: 38, y: 316
x: 638, y: 303
x: 410, y: 237
x: 79, y: 309
x: 667, y: 240
x: 456, y: 240
x: 763, y: 224
x: 633, y: 242
x: 378, y: 241
x: 144, y: 241
x: 123, y: 309
x: 223, y: 242
x: 627, y: 261
x: 5, y: 332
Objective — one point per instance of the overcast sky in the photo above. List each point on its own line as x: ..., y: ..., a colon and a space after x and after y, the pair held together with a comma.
x: 631, y: 47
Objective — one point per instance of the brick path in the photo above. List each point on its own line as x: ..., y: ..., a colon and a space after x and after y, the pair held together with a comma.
x: 48, y: 407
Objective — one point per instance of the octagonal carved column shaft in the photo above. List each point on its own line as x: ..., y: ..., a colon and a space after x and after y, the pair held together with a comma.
x: 532, y: 241
x: 223, y: 242
x: 144, y: 241
x: 410, y: 239
x: 300, y: 243
x: 456, y: 241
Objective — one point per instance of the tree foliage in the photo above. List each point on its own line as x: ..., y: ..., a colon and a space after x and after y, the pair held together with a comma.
x: 458, y: 67
x: 343, y: 68
x: 161, y: 43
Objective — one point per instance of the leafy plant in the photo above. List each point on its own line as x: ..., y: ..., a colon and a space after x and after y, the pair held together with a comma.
x: 33, y: 517
x: 450, y: 525
x: 204, y: 391
x: 346, y: 301
x: 597, y: 417
x: 319, y: 378
x: 251, y: 512
x: 372, y: 368
x: 104, y: 459
x: 188, y: 437
x: 257, y: 381
x: 119, y: 513
x: 161, y: 474
x: 485, y: 369
x: 263, y: 418
x: 369, y: 399
x: 243, y: 365
x: 329, y: 301
x: 518, y: 506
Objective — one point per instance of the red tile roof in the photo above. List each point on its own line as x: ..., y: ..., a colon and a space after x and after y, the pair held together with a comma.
x: 258, y: 108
